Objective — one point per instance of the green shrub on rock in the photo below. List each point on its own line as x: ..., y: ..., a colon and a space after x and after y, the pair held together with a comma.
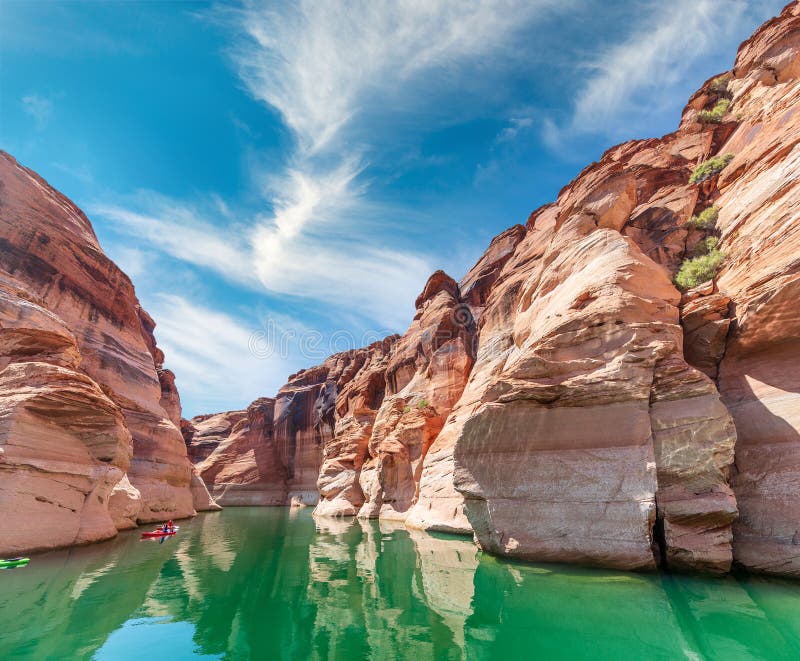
x: 706, y: 246
x: 720, y: 83
x: 700, y: 269
x: 715, y: 115
x: 709, y: 168
x: 705, y: 220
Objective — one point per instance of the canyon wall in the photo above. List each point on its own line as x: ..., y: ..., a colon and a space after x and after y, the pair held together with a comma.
x: 759, y: 374
x: 351, y: 435
x: 564, y: 401
x: 88, y: 442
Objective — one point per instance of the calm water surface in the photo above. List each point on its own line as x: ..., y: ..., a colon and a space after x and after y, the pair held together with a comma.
x: 274, y: 584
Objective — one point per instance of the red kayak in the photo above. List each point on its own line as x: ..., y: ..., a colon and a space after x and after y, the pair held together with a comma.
x: 159, y: 533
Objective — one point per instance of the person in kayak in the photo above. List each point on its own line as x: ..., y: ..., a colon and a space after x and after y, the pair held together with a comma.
x: 171, y: 526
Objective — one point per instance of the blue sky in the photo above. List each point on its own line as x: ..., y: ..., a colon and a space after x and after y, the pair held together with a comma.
x: 279, y: 179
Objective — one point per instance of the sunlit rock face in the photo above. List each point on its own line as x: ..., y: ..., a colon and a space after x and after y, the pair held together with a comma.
x: 204, y: 433
x: 346, y: 409
x: 581, y: 375
x: 565, y: 402
x: 557, y: 456
x: 243, y: 468
x: 83, y: 397
x: 759, y: 374
x: 425, y: 376
x: 439, y: 505
x: 360, y: 424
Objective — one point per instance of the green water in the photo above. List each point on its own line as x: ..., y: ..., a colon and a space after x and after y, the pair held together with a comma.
x: 273, y: 584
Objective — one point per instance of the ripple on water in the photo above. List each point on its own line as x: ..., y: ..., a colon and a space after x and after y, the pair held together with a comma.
x: 261, y: 583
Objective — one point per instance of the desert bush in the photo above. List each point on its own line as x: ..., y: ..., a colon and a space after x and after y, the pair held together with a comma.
x: 720, y: 83
x: 709, y: 168
x: 423, y: 403
x: 700, y: 269
x: 706, y: 219
x: 706, y: 246
x: 715, y: 115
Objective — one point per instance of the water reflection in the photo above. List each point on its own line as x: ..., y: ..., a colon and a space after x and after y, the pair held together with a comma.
x: 264, y: 583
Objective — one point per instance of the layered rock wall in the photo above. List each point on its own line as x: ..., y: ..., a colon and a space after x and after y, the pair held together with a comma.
x: 243, y: 469
x: 351, y: 435
x: 88, y: 442
x: 564, y: 401
x: 759, y: 373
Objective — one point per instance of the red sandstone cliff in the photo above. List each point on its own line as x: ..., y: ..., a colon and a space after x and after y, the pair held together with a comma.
x: 564, y: 401
x: 351, y: 436
x: 88, y: 442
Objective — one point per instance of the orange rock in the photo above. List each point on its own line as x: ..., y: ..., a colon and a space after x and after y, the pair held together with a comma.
x: 563, y: 402
x: 346, y: 410
x: 243, y: 468
x: 426, y: 374
x: 82, y: 402
x: 760, y: 225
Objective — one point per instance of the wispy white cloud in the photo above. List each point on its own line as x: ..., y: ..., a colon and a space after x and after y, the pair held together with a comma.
x: 183, y: 233
x: 310, y: 247
x: 281, y: 254
x: 332, y: 70
x: 321, y: 64
x: 337, y: 74
x: 642, y: 76
x: 508, y: 139
x: 39, y: 107
x: 210, y: 353
x: 515, y: 126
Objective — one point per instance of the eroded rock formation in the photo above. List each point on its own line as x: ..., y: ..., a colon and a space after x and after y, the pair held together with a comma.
x: 243, y: 468
x: 350, y: 435
x: 88, y: 443
x: 564, y: 401
x: 759, y: 374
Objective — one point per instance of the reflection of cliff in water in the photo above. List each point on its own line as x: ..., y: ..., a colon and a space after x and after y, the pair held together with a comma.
x: 60, y: 604
x: 244, y: 585
x: 274, y: 583
x: 376, y: 591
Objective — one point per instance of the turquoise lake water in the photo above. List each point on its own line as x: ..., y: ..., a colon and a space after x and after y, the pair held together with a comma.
x: 272, y: 583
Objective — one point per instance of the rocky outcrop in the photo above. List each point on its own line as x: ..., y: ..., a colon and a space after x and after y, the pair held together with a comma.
x: 425, y: 376
x: 88, y: 442
x: 759, y: 201
x: 243, y: 468
x: 204, y: 433
x: 360, y: 424
x: 582, y: 409
x: 346, y: 410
